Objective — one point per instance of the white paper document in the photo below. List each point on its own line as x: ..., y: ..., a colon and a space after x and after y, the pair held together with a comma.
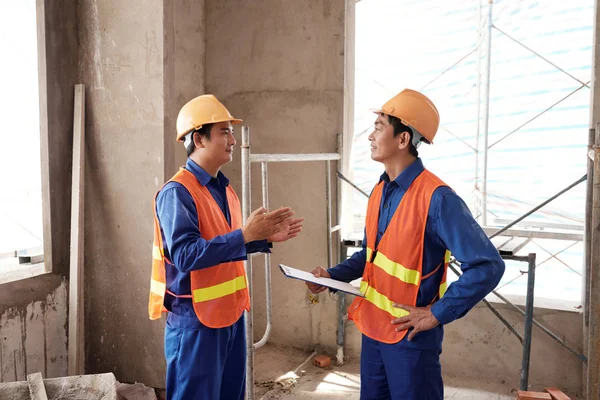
x: 330, y: 283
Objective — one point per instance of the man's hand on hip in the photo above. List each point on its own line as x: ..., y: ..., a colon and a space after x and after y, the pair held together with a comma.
x: 419, y: 318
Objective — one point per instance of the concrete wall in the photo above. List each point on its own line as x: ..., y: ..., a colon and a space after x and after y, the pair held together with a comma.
x: 33, y: 312
x: 121, y: 64
x: 479, y: 346
x: 140, y: 62
x: 33, y: 335
x: 279, y: 65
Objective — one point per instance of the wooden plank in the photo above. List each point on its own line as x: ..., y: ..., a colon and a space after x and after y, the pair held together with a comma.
x: 524, y: 395
x: 557, y: 394
x: 37, y: 390
x: 76, y: 311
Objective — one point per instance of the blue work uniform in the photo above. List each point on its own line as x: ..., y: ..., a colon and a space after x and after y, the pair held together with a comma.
x: 410, y: 370
x: 202, y: 363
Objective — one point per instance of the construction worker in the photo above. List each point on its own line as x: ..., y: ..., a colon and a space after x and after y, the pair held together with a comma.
x: 413, y: 222
x: 198, y: 274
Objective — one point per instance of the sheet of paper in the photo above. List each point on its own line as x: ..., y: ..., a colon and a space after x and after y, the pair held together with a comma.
x: 330, y: 283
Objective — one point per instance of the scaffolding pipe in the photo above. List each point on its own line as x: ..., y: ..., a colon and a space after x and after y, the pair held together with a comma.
x: 593, y: 371
x: 541, y: 205
x: 589, y: 197
x: 528, y: 322
x: 478, y: 84
x: 592, y: 286
x: 486, y: 112
x: 328, y: 216
x: 294, y: 157
x: 268, y: 295
x: 503, y: 320
x: 582, y: 357
x: 245, y: 150
x: 349, y: 182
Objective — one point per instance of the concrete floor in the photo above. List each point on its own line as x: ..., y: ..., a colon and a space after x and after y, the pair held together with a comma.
x: 274, y: 380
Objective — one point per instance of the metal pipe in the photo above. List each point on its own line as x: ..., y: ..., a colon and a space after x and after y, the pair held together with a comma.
x: 328, y: 216
x: 478, y: 84
x: 348, y: 181
x: 245, y: 150
x: 486, y: 113
x: 528, y: 322
x: 593, y: 371
x: 582, y: 357
x: 342, y: 317
x: 342, y: 314
x: 504, y: 320
x: 534, y: 209
x: 589, y: 196
x: 294, y: 157
x: 268, y: 294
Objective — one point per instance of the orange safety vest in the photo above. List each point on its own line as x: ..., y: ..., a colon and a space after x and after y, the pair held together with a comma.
x: 393, y: 269
x: 219, y: 293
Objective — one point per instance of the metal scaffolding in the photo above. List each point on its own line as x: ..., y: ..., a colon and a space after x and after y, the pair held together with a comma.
x: 264, y: 159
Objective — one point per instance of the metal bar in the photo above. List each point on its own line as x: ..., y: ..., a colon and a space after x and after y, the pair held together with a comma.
x: 592, y: 314
x: 459, y: 139
x: 555, y: 256
x: 293, y: 157
x: 328, y: 215
x: 539, y: 55
x: 589, y: 195
x: 349, y: 182
x: 245, y: 150
x: 528, y: 322
x: 268, y: 293
x: 504, y: 320
x: 543, y: 225
x: 524, y: 233
x: 486, y: 113
x: 336, y: 228
x: 534, y: 209
x: 593, y: 372
x: 478, y: 84
x: 448, y: 69
x: 538, y: 115
x: 582, y: 357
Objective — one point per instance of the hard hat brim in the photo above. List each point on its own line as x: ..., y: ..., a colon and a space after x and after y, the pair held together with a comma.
x: 380, y: 111
x: 233, y: 122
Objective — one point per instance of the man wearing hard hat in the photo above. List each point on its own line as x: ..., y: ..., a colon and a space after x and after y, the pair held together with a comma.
x: 413, y: 222
x: 198, y: 274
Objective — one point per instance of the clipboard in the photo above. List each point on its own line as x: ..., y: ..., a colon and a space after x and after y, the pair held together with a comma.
x: 294, y: 273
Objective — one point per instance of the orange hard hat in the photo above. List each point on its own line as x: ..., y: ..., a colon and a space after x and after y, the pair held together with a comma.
x: 415, y: 110
x: 205, y: 109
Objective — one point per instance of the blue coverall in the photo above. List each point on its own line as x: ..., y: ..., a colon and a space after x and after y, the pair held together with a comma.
x: 410, y: 370
x: 202, y: 363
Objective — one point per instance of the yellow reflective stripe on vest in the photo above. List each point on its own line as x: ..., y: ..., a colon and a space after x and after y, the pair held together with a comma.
x: 156, y: 253
x: 381, y: 301
x: 443, y: 288
x: 447, y: 257
x: 157, y: 287
x: 369, y: 253
x: 398, y: 270
x: 220, y: 290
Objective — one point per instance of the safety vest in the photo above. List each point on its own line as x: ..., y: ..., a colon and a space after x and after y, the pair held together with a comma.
x: 393, y: 269
x: 219, y: 293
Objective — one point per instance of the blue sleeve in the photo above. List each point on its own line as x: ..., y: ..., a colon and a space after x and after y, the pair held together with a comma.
x: 481, y: 265
x: 188, y: 250
x: 351, y: 268
x: 258, y: 246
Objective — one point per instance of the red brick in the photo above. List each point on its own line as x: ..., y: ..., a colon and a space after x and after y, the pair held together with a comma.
x: 523, y: 395
x: 556, y: 394
x: 322, y: 361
